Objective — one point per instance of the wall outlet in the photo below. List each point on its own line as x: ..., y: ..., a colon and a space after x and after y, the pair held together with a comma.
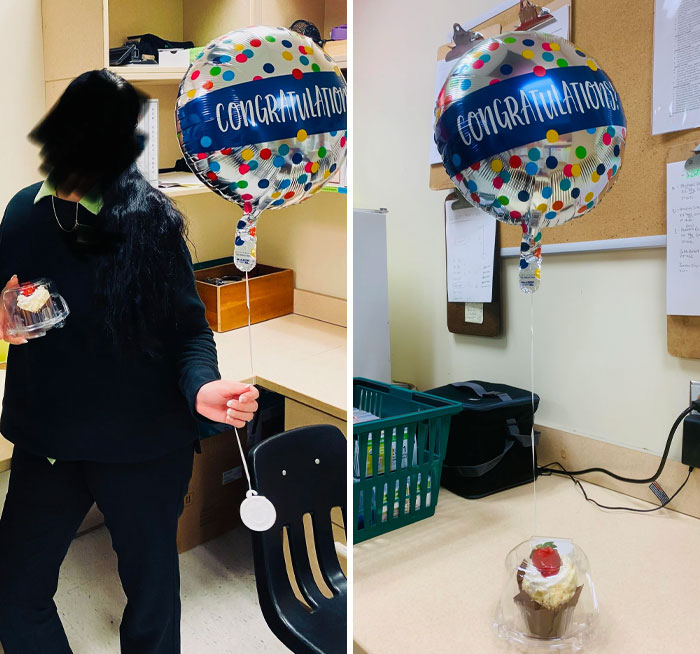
x: 694, y: 391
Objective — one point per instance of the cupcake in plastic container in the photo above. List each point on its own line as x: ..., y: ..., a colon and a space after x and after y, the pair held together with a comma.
x: 548, y: 602
x: 33, y: 308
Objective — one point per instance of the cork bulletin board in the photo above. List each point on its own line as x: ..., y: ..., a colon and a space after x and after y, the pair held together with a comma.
x: 619, y: 36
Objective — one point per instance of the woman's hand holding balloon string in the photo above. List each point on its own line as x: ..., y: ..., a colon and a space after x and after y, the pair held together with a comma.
x: 4, y: 320
x: 228, y: 402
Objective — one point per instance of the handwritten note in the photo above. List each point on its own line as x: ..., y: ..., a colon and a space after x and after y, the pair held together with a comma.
x: 683, y: 240
x: 470, y: 235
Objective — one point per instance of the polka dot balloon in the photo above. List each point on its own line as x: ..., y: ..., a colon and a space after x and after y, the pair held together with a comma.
x: 261, y: 119
x: 532, y: 131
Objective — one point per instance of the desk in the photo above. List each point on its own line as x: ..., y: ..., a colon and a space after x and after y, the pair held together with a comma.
x: 433, y: 586
x: 301, y: 358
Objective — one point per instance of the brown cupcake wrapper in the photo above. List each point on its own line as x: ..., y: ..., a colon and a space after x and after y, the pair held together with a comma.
x: 544, y: 622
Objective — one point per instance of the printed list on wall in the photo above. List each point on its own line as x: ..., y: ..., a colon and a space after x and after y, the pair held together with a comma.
x: 683, y: 240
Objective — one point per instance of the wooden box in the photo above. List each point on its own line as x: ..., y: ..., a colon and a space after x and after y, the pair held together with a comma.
x: 271, y: 295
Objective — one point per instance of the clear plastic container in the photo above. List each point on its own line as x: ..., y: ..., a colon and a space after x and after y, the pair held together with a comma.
x: 548, y: 601
x: 34, y: 308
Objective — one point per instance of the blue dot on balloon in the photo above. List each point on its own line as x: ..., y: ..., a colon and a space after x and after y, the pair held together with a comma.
x: 611, y: 131
x: 334, y: 132
x: 239, y: 240
x: 547, y: 56
x: 533, y: 154
x: 547, y: 192
x: 224, y: 59
x: 506, y: 69
x: 252, y: 164
x: 575, y: 192
x: 528, y: 42
x: 523, y: 263
x: 278, y: 162
x: 485, y: 58
x: 269, y: 68
x: 616, y: 150
x: 524, y: 247
x: 600, y: 169
x: 580, y: 54
x: 550, y: 214
x: 304, y: 60
x: 215, y: 166
x: 283, y: 149
x: 505, y: 176
x: 286, y: 43
x: 590, y: 205
x: 565, y: 184
x: 228, y: 75
x: 531, y: 168
x: 307, y: 187
x: 277, y: 203
x: 456, y: 159
x: 471, y: 185
x: 263, y: 183
x: 297, y: 157
x: 302, y: 179
x: 465, y: 84
x: 241, y: 224
x: 248, y: 53
x: 285, y: 183
x: 551, y: 162
x: 333, y: 167
x: 233, y: 186
x: 591, y: 130
x: 523, y: 196
x: 205, y: 141
x: 614, y: 170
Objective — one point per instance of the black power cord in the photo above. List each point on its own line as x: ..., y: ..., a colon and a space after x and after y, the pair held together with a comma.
x: 548, y: 471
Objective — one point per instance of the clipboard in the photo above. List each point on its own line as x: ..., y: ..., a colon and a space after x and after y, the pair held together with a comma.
x: 456, y: 311
x: 683, y: 332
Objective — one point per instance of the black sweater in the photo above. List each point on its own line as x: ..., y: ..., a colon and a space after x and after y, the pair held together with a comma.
x: 71, y: 395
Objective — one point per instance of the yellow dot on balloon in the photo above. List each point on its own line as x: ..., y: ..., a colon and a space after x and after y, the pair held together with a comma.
x: 287, y: 55
x: 538, y: 273
x: 589, y: 196
x: 542, y: 207
x: 575, y: 170
x: 314, y: 166
x: 191, y: 93
x: 253, y: 253
x: 552, y: 135
x: 496, y: 165
x: 247, y: 154
x: 528, y: 54
x: 591, y: 64
x: 275, y: 195
x: 238, y: 47
x: 326, y: 174
x: 337, y: 71
x: 309, y: 49
x: 316, y: 190
x: 554, y: 46
x: 302, y: 135
x: 595, y: 177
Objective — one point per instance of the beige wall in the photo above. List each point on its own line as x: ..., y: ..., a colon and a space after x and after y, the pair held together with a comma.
x: 601, y: 366
x: 22, y: 94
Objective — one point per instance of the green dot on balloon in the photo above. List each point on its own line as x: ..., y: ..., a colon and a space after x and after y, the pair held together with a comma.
x: 322, y: 152
x: 580, y: 152
x: 538, y: 236
x: 269, y: 38
x: 562, y: 63
x: 509, y: 39
x: 215, y: 71
x: 315, y: 67
x: 503, y: 200
x: 242, y: 184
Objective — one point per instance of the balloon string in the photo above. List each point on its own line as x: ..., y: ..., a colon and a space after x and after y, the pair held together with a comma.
x: 245, y: 465
x: 532, y: 398
x: 250, y: 329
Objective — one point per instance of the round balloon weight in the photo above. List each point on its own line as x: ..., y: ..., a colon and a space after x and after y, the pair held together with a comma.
x: 532, y: 131
x: 261, y: 119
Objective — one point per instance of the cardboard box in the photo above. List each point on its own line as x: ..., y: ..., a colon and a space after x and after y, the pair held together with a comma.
x: 178, y: 57
x: 216, y: 490
x: 271, y: 295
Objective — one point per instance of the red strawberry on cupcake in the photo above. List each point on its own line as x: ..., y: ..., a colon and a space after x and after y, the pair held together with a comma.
x: 546, y: 559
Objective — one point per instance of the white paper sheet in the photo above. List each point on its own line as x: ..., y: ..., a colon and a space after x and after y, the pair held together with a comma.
x: 470, y: 236
x: 560, y: 26
x: 682, y: 241
x: 676, y: 93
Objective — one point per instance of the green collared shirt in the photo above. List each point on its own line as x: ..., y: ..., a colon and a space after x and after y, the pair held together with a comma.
x: 92, y: 200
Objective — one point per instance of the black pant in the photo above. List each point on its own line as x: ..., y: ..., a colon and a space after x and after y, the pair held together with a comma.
x: 46, y: 504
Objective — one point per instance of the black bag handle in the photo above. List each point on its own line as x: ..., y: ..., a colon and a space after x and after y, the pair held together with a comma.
x: 481, y: 391
x: 514, y: 436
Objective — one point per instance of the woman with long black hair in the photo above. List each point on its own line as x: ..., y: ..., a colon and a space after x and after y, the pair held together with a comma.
x: 105, y: 409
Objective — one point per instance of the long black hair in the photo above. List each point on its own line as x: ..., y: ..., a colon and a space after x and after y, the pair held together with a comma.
x: 89, y: 138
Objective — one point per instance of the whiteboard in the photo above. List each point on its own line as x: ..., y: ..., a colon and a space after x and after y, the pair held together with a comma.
x: 371, y: 350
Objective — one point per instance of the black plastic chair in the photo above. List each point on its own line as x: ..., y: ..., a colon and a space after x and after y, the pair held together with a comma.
x: 302, y: 471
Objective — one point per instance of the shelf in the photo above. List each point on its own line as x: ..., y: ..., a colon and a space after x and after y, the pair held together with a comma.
x: 339, y: 51
x: 194, y: 186
x: 152, y: 74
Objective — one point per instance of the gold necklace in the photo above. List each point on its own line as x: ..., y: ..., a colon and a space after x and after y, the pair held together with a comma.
x: 53, y: 204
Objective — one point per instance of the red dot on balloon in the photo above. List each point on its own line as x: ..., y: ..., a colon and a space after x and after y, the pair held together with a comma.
x: 342, y: 141
x: 515, y: 214
x: 243, y: 169
x: 547, y: 47
x: 302, y: 49
x: 494, y: 81
x: 540, y: 71
x: 289, y: 195
x: 609, y: 173
x: 524, y: 227
x: 475, y: 166
x: 624, y: 133
x: 256, y: 78
x: 515, y: 161
x: 606, y: 138
x: 557, y: 205
x: 201, y: 155
x: 475, y: 197
x: 297, y: 74
x: 459, y: 177
x: 212, y: 176
x: 498, y: 182
x: 247, y: 207
x: 226, y: 151
x: 265, y: 153
x: 493, y: 45
x: 307, y: 167
x: 256, y: 43
x: 194, y: 75
x: 567, y: 170
x: 478, y: 64
x: 246, y: 196
x: 581, y: 209
x: 241, y: 58
x: 207, y: 85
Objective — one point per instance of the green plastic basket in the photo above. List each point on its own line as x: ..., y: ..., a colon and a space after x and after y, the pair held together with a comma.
x: 398, y: 456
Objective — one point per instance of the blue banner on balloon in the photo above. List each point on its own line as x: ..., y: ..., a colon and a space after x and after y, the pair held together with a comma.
x: 264, y: 110
x: 524, y: 109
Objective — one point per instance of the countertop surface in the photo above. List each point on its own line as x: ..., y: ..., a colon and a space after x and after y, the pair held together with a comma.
x: 433, y: 586
x: 299, y: 357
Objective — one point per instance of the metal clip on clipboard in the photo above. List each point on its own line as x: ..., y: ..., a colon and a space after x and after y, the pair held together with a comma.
x: 532, y: 16
x: 694, y: 162
x: 463, y: 41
